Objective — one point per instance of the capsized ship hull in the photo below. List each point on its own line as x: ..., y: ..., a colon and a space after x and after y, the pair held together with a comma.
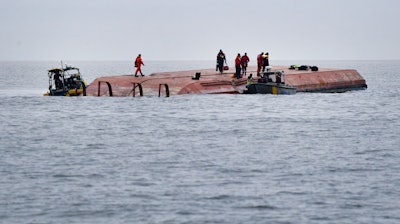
x: 211, y: 82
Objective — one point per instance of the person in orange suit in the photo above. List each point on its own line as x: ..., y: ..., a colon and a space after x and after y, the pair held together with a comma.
x: 138, y: 65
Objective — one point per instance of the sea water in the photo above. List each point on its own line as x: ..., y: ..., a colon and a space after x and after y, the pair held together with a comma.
x: 304, y: 158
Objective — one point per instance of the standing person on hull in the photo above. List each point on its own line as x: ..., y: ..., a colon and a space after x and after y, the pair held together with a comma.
x: 238, y: 61
x: 245, y: 61
x: 220, y: 61
x: 259, y: 63
x: 265, y: 61
x: 138, y: 65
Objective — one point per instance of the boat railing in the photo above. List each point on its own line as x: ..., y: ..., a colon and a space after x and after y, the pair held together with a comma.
x: 166, y: 90
x: 135, y: 85
x: 109, y: 88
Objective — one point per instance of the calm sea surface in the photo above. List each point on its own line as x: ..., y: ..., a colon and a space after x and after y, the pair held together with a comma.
x: 304, y: 158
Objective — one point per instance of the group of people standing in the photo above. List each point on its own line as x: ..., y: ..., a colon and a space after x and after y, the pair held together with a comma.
x: 241, y: 63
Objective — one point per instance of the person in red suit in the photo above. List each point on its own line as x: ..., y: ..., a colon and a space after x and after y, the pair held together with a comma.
x: 245, y: 61
x: 259, y: 63
x: 138, y: 65
x: 238, y: 61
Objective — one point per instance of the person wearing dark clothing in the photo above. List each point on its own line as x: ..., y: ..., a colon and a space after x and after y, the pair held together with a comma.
x: 245, y: 61
x: 238, y: 61
x: 57, y: 80
x: 265, y: 61
x: 221, y: 59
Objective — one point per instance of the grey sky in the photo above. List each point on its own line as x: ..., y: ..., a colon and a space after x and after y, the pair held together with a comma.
x: 196, y: 30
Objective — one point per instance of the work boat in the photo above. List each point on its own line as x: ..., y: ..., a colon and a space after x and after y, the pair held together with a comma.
x: 66, y: 81
x: 270, y: 83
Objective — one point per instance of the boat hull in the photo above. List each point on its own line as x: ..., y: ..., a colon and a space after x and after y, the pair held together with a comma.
x: 71, y: 92
x: 270, y: 88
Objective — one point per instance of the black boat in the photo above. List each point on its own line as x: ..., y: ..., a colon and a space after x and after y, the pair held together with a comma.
x: 266, y: 85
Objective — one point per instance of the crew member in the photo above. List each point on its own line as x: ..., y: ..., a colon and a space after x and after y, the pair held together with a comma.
x: 58, y: 82
x: 245, y: 61
x: 259, y: 63
x: 238, y: 61
x: 250, y: 80
x: 138, y: 64
x: 265, y: 61
x: 220, y: 61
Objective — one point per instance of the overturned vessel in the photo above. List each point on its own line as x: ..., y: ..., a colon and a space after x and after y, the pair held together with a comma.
x: 209, y: 81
